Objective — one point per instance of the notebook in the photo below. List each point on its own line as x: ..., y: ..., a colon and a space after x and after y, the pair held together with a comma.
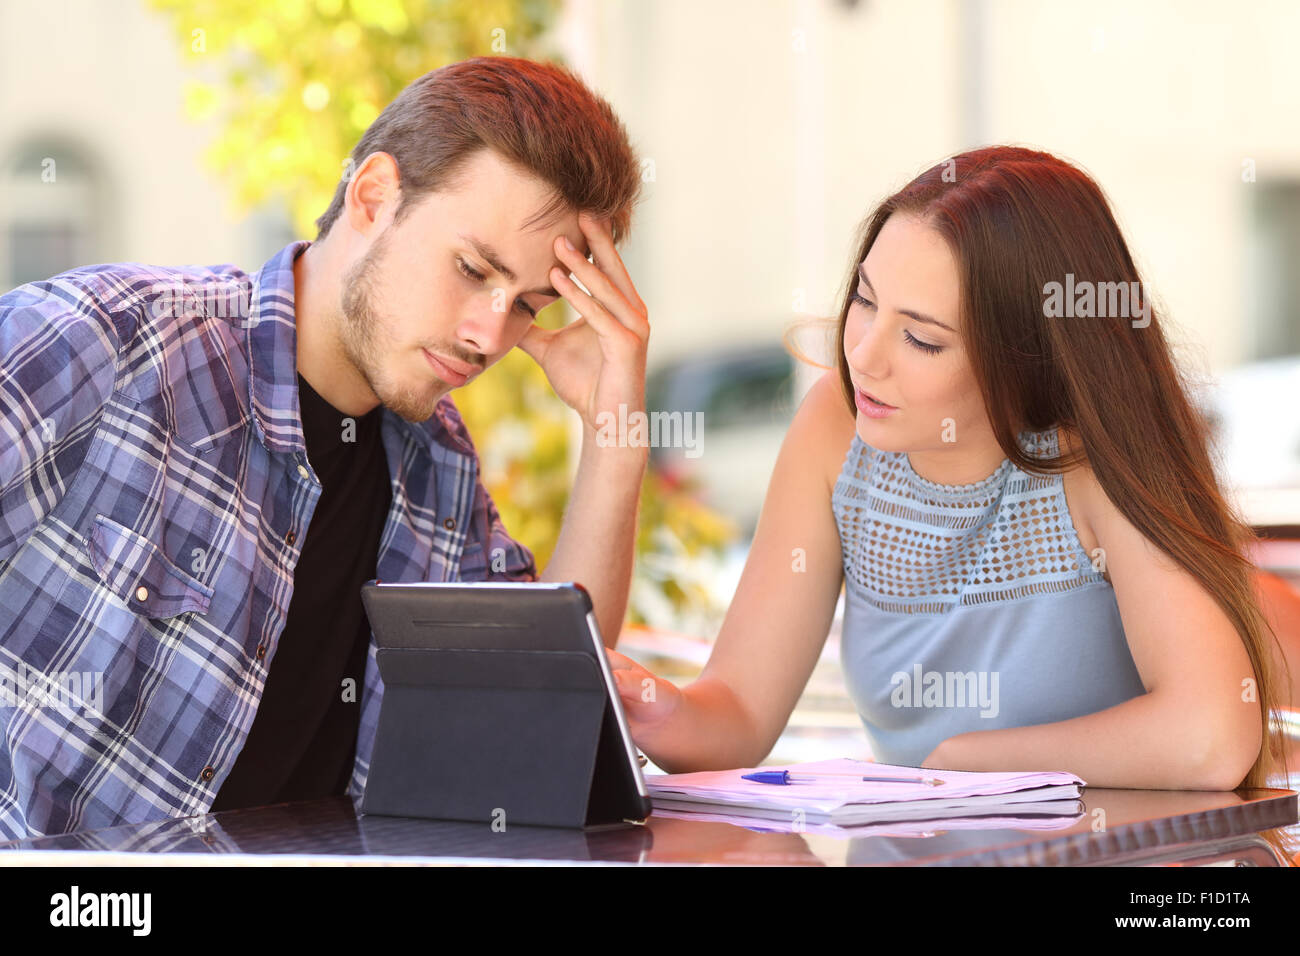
x: 841, y: 798
x: 1048, y: 815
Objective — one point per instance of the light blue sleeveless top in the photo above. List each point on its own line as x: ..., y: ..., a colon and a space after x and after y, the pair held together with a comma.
x: 970, y: 607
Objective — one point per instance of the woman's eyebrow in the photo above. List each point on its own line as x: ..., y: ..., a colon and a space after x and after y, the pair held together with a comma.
x: 911, y: 314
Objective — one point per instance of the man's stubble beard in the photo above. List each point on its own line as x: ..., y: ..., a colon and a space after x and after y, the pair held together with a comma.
x: 358, y: 334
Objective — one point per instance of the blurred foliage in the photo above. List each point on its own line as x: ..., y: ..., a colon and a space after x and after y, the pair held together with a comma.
x: 294, y: 83
x: 291, y: 85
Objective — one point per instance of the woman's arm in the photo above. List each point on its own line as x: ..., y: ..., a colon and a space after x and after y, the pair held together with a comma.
x: 1197, y: 727
x: 778, y: 619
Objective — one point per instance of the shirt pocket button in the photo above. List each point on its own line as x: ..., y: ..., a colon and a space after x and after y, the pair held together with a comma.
x: 138, y: 572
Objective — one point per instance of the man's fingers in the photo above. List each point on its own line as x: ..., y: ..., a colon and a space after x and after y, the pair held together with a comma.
x: 601, y: 289
x: 594, y: 311
x: 601, y: 280
x: 535, y: 341
x: 607, y: 259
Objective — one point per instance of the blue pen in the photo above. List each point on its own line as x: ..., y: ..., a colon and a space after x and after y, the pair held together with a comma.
x: 785, y: 777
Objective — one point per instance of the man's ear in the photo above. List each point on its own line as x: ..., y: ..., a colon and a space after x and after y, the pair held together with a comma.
x: 375, y: 183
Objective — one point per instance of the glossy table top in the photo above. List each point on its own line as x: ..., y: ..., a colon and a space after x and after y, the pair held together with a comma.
x: 1114, y: 827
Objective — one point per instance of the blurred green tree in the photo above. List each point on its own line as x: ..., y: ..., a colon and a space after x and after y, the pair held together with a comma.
x: 291, y: 85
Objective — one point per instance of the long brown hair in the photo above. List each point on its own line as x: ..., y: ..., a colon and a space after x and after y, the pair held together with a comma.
x: 1016, y: 220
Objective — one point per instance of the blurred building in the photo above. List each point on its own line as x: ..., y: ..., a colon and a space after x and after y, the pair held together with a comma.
x: 774, y: 127
x: 97, y: 160
x: 768, y: 131
x: 771, y: 128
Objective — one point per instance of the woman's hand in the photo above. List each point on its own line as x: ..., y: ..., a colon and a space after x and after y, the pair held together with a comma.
x: 937, y: 760
x: 648, y: 701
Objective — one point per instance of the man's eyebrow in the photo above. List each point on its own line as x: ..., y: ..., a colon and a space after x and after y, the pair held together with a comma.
x: 919, y: 316
x: 490, y: 254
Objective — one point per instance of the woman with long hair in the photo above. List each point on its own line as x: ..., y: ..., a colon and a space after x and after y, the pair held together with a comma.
x: 1008, y: 477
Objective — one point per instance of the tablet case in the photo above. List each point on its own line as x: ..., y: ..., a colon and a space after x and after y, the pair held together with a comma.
x: 497, y: 736
x: 405, y: 837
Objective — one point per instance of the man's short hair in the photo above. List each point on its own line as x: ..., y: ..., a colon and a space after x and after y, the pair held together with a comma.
x: 539, y: 116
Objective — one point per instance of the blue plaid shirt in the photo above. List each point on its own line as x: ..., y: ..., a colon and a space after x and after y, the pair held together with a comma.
x: 154, y: 496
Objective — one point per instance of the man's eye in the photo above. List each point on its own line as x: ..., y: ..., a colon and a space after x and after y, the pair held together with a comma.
x: 520, y: 304
x: 460, y: 263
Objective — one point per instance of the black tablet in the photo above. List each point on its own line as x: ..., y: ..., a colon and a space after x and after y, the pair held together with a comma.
x: 499, y: 707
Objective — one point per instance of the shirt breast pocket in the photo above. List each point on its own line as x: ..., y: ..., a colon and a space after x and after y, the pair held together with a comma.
x: 136, y: 570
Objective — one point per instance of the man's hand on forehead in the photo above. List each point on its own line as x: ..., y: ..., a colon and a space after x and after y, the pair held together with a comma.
x: 596, y: 364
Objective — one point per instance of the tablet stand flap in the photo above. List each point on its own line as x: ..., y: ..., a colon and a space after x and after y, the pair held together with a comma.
x: 499, y: 737
x: 558, y: 670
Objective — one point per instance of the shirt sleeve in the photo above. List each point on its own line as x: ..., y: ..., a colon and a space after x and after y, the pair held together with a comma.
x: 58, y: 364
x: 504, y: 558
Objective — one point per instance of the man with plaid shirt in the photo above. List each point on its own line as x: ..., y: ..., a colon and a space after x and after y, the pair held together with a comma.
x: 199, y: 466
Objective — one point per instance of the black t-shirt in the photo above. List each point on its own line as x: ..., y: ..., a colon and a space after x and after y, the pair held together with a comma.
x: 304, y: 736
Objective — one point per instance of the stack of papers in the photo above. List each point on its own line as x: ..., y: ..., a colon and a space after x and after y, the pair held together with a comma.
x: 1070, y: 813
x: 841, y: 798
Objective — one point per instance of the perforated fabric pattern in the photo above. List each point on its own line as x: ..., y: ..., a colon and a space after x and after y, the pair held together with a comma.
x: 914, y: 546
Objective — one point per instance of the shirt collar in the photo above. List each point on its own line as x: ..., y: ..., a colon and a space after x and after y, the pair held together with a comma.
x: 273, y: 370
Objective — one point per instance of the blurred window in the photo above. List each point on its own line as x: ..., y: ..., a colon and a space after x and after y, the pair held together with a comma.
x: 732, y: 389
x: 1275, y: 283
x: 51, y: 213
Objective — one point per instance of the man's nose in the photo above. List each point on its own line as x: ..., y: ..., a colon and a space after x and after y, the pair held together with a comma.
x: 483, y: 330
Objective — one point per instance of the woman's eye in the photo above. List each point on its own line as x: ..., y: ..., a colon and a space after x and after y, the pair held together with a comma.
x: 913, y: 340
x: 520, y: 304
x: 923, y: 346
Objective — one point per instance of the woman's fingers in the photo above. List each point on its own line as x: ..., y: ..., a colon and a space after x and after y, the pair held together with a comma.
x: 619, y: 661
x: 627, y: 685
x: 632, y: 679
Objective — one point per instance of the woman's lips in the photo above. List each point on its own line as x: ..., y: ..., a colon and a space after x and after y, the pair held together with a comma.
x: 868, y: 406
x: 874, y: 398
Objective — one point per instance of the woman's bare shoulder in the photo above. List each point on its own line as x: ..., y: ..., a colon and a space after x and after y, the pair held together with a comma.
x: 830, y: 424
x: 1083, y: 493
